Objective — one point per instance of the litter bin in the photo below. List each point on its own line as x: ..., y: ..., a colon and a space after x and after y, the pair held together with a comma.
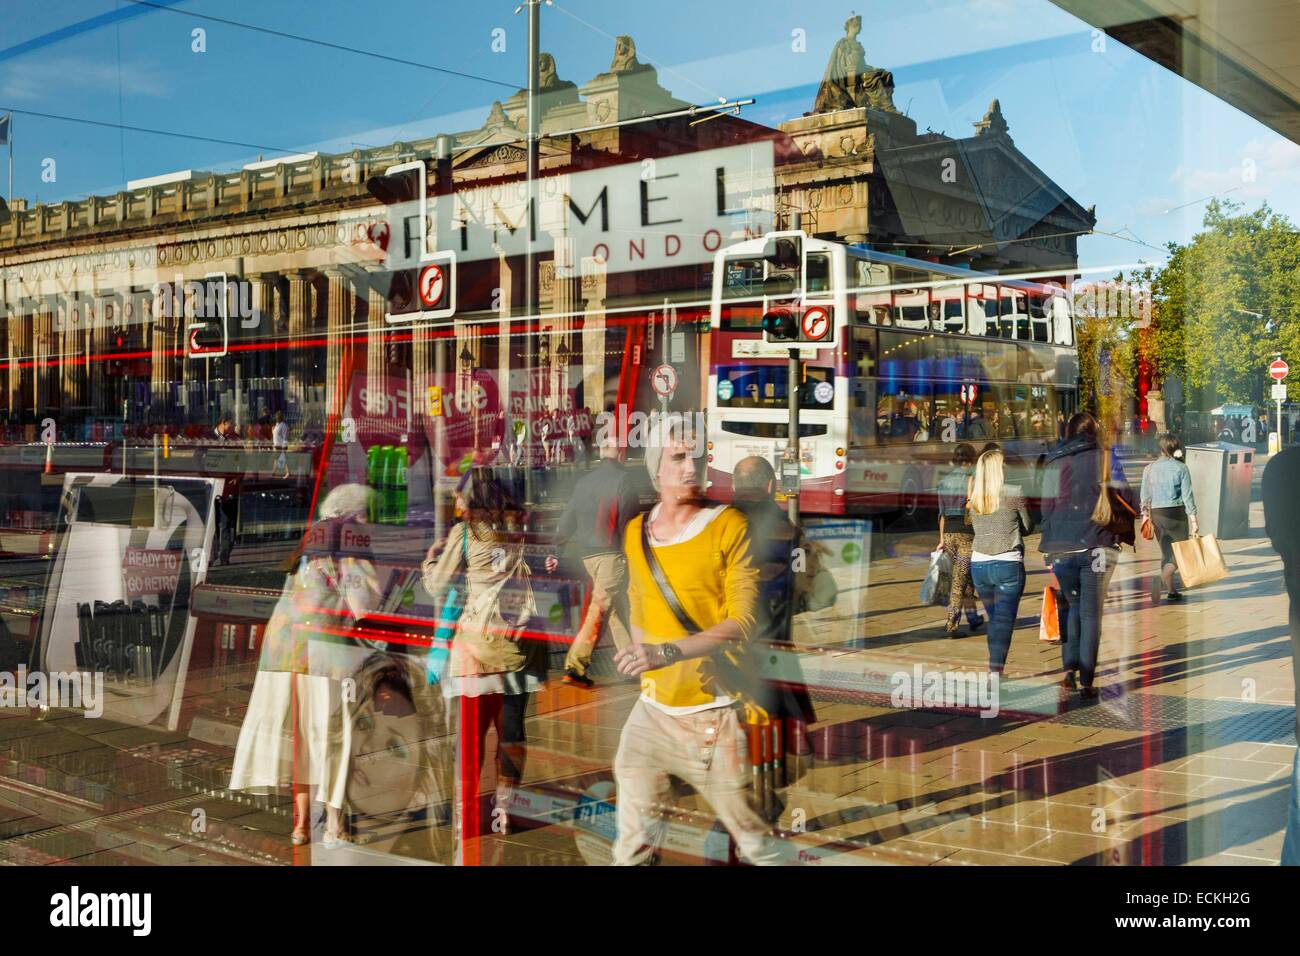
x: 1221, y: 474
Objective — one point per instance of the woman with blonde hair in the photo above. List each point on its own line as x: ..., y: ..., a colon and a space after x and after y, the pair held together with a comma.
x: 1001, y: 519
x: 297, y: 729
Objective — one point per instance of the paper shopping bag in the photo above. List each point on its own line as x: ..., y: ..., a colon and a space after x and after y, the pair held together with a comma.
x: 1049, y: 625
x: 1199, y: 560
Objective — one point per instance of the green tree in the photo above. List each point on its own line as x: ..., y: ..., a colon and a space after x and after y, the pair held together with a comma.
x: 1107, y: 352
x: 1240, y: 263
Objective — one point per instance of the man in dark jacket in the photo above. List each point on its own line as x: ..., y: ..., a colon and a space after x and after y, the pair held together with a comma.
x: 784, y: 577
x: 1082, y: 551
x: 604, y: 500
x: 1282, y: 521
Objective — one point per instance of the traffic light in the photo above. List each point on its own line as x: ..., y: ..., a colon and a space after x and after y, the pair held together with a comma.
x: 780, y: 324
x: 421, y: 284
x: 787, y: 316
x: 207, y: 331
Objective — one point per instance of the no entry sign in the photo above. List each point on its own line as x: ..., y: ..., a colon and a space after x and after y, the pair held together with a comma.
x: 1278, y: 369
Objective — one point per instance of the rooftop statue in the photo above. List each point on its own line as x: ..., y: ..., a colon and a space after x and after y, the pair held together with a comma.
x: 849, y: 82
x: 548, y: 79
x: 625, y: 60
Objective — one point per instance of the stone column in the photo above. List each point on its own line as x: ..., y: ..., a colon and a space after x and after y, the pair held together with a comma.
x: 260, y: 364
x: 21, y: 336
x: 376, y: 351
x: 300, y: 303
x: 341, y: 306
x: 11, y: 370
x: 160, y: 333
x: 72, y: 351
x: 44, y: 394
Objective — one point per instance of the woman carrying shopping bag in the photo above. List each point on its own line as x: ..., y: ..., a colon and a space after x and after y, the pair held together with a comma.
x: 494, y: 666
x: 1001, y: 519
x: 1088, y: 512
x: 1168, y: 510
x: 957, y: 537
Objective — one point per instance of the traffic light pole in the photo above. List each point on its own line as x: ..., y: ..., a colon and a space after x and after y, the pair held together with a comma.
x: 530, y: 258
x: 790, y: 466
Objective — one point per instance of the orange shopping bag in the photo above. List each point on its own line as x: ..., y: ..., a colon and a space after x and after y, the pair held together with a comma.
x: 1049, y: 625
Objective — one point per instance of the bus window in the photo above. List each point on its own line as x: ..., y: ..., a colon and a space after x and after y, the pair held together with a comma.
x: 868, y: 275
x: 819, y: 274
x: 872, y: 308
x: 1039, y: 317
x: 764, y: 386
x: 862, y: 389
x: 948, y: 306
x: 903, y: 418
x: 1042, y: 413
x: 1061, y: 320
x: 948, y: 404
x: 911, y: 309
x: 1014, y: 321
x: 981, y: 309
x: 911, y: 305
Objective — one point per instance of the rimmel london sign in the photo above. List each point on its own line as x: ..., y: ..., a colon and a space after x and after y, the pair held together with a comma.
x: 652, y: 214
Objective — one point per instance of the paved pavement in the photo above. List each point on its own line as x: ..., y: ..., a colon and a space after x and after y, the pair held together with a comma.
x: 1185, y: 759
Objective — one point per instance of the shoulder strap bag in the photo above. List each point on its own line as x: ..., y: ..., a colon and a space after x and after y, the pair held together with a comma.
x: 733, y: 670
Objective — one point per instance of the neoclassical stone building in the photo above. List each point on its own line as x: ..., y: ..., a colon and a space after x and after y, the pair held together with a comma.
x: 628, y: 214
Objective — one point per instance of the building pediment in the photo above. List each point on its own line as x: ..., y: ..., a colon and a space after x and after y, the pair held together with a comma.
x: 492, y: 155
x: 981, y: 188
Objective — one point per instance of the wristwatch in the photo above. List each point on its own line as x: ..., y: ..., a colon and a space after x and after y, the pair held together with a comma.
x: 671, y: 653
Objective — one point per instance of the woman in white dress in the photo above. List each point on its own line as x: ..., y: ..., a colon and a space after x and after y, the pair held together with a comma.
x: 298, y: 727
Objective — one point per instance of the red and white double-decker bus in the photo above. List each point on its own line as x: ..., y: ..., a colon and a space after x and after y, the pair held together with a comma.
x: 923, y: 356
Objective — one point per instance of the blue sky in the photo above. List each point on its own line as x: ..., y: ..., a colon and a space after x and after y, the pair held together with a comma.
x: 1108, y: 125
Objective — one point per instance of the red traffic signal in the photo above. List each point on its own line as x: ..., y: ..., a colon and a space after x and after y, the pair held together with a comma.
x: 780, y: 325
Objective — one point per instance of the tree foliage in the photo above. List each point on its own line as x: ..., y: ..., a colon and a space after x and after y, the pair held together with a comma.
x: 1240, y: 263
x: 1107, y: 355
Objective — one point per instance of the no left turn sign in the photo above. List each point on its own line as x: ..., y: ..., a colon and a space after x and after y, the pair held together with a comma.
x: 432, y: 284
x: 664, y: 380
x: 816, y: 324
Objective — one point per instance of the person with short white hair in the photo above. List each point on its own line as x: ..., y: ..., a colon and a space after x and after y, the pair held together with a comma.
x: 298, y: 726
x: 692, y: 587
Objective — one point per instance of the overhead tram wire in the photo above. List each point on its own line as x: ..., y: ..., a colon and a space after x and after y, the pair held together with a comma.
x: 640, y: 55
x: 144, y: 129
x: 282, y: 34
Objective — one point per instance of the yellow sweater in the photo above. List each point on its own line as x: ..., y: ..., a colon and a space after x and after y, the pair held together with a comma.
x: 714, y: 578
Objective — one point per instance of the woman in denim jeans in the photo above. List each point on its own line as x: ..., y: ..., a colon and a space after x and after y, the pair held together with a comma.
x: 1079, y: 543
x: 1168, y: 503
x: 957, y: 538
x: 1000, y: 518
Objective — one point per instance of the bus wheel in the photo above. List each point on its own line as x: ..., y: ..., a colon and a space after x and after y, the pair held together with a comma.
x: 909, y: 497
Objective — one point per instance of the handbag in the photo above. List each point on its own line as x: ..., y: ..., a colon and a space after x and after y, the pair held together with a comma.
x: 1148, y: 528
x: 1199, y: 560
x: 733, y: 669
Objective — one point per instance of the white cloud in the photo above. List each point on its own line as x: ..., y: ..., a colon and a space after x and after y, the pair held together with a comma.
x: 44, y: 80
x: 1267, y: 169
